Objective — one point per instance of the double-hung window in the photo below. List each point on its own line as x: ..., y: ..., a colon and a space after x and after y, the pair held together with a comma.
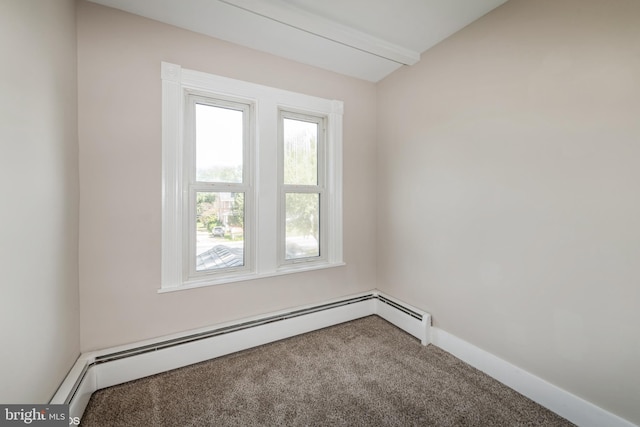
x: 251, y: 180
x: 218, y: 178
x: 302, y: 174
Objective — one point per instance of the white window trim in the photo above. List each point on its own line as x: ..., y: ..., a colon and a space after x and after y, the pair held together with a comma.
x: 267, y: 102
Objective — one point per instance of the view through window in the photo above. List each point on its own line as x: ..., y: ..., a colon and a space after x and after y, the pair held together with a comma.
x: 301, y: 141
x: 219, y: 164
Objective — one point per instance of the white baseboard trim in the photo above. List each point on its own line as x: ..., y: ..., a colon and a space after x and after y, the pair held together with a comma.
x: 410, y: 319
x: 100, y: 369
x: 105, y: 368
x: 563, y: 403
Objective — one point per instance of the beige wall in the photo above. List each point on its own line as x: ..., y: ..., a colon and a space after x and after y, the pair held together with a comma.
x: 39, y: 312
x: 507, y: 184
x: 509, y: 170
x: 119, y: 57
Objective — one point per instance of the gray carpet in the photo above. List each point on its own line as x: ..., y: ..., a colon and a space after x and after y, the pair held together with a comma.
x: 362, y: 373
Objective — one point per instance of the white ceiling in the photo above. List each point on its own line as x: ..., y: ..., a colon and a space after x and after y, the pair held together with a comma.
x: 367, y: 39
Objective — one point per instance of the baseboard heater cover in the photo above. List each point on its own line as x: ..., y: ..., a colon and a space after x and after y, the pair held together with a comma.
x: 226, y: 330
x: 97, y: 370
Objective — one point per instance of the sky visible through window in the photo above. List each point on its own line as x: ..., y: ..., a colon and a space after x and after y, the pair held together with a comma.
x: 219, y: 144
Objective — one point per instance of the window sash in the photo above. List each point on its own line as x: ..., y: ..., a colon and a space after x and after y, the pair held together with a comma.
x: 190, y: 271
x: 284, y: 260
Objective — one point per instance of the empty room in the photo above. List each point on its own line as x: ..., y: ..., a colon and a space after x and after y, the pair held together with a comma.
x: 288, y: 212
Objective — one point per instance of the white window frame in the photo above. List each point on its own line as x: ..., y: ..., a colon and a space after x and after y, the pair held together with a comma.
x: 193, y: 186
x: 264, y: 243
x: 319, y: 188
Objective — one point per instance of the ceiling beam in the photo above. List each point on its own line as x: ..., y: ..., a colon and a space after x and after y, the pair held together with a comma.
x: 285, y: 14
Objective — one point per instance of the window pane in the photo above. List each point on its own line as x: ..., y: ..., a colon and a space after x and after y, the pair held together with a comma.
x: 219, y: 230
x: 300, y: 152
x: 302, y: 225
x: 219, y: 144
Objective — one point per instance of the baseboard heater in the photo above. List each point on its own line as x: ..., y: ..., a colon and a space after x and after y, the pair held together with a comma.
x: 101, y: 369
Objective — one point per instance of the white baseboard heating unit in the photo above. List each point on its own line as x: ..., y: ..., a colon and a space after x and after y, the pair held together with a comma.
x: 100, y: 369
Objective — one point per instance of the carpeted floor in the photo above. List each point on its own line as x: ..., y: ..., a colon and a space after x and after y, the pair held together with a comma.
x: 362, y: 373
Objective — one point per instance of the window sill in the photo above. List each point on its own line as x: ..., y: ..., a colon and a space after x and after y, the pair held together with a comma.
x: 288, y: 269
